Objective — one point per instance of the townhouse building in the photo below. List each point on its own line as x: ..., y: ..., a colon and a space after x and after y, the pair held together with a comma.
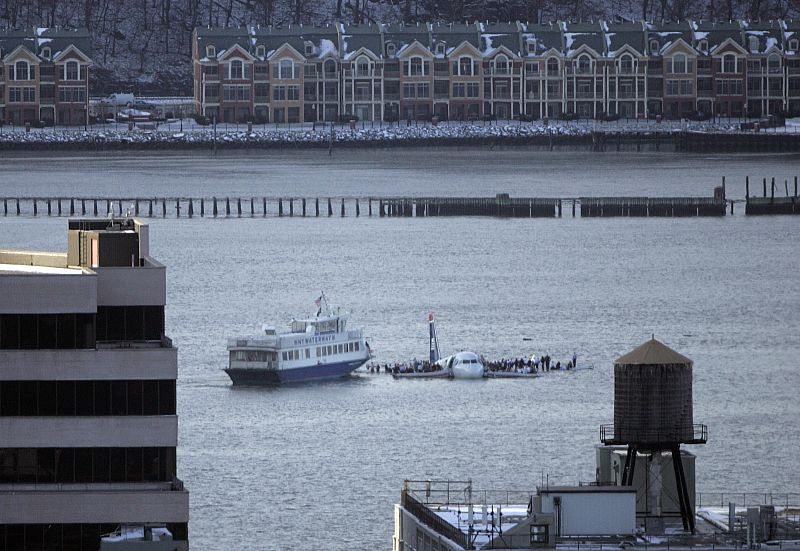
x: 44, y: 76
x: 468, y: 71
x: 88, y: 424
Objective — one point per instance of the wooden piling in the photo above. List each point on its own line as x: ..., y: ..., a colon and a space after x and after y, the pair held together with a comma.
x: 72, y: 207
x: 150, y: 208
x: 369, y: 201
x: 95, y: 207
x: 263, y: 206
x: 380, y: 207
x: 163, y: 207
x: 178, y: 208
x: 35, y: 208
x: 59, y: 207
x: 291, y: 207
x: 280, y: 207
x: 239, y: 207
x: 202, y: 207
x: 49, y: 209
x: 227, y: 206
x: 765, y: 187
x: 304, y: 207
x: 316, y: 206
x: 252, y: 207
x: 214, y: 206
x: 17, y: 207
x: 330, y: 207
x: 342, y: 206
x: 358, y: 209
x: 191, y: 208
x: 5, y: 206
x: 746, y: 187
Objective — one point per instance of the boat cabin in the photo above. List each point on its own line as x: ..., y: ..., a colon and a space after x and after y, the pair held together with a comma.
x: 318, y: 326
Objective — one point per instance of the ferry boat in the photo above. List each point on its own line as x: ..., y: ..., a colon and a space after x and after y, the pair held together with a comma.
x: 313, y: 349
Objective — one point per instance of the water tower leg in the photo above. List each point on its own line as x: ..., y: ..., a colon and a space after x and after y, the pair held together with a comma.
x: 630, y: 466
x: 687, y: 514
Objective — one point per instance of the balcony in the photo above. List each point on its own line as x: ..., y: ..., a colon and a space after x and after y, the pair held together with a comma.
x: 501, y: 95
x: 92, y: 503
x: 441, y: 73
x: 694, y: 434
x: 441, y: 95
x: 362, y: 73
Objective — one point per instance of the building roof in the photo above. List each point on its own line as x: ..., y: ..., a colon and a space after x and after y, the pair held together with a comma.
x: 583, y: 34
x: 765, y: 35
x: 455, y: 34
x: 36, y: 39
x: 497, y: 35
x: 667, y: 33
x: 402, y: 36
x: 652, y: 352
x: 355, y: 37
x: 715, y: 33
x: 547, y: 36
x: 619, y: 35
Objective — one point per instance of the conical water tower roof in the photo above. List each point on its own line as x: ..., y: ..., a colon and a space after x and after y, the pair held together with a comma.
x: 653, y: 352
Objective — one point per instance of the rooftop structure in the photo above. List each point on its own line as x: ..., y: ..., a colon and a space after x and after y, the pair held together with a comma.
x: 88, y: 424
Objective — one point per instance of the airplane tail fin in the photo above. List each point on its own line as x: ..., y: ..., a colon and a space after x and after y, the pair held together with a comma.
x: 434, y: 342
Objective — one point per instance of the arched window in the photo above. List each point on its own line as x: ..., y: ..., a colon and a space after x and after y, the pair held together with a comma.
x: 729, y: 63
x: 390, y: 49
x: 679, y: 63
x: 626, y: 64
x: 584, y: 64
x: 416, y: 67
x: 362, y: 66
x: 552, y: 67
x: 752, y: 42
x: 774, y: 63
x: 465, y: 66
x: 703, y: 46
x: 329, y: 66
x: 21, y: 70
x: 501, y: 64
x: 261, y: 51
x: 286, y: 69
x: 236, y: 69
x: 46, y: 52
x: 211, y: 51
x: 71, y: 70
x: 654, y: 48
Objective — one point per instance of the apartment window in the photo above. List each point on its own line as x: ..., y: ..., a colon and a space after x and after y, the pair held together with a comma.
x: 654, y: 46
x: 473, y: 90
x: 279, y: 93
x: 262, y: 92
x: 423, y: 90
x: 14, y: 94
x: 362, y: 66
x: 626, y: 64
x: 416, y: 67
x: 753, y: 65
x: 46, y: 331
x: 531, y: 68
x: 729, y: 63
x: 501, y: 64
x: 261, y: 51
x: 729, y: 87
x: 553, y: 89
x: 703, y: 46
x: 679, y: 64
x: 687, y: 87
x: 211, y: 51
x: 261, y: 71
x: 539, y: 533
x: 286, y: 69
x: 465, y: 66
x: 329, y: 67
x: 440, y: 48
x: 530, y: 46
x: 71, y: 71
x: 211, y: 71
x: 293, y: 93
x: 21, y: 71
x: 774, y: 63
x: 47, y: 93
x: 309, y: 46
x: 46, y: 52
x: 236, y: 92
x: 409, y: 90
x: 459, y: 90
x: 236, y: 69
x: 584, y: 64
x: 391, y: 49
x: 130, y: 323
x: 552, y: 67
x: 71, y: 94
x: 672, y: 87
x: 211, y: 92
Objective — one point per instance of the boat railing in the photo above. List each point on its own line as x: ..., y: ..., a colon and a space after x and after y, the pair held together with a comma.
x: 254, y: 343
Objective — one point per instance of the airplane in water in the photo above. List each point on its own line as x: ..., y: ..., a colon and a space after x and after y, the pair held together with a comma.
x: 462, y: 365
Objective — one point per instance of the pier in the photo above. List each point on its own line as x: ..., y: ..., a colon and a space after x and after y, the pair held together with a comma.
x: 501, y: 206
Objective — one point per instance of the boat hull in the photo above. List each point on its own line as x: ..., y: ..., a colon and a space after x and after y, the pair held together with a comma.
x: 319, y: 372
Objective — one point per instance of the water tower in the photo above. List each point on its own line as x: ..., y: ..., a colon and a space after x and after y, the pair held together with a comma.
x: 653, y: 413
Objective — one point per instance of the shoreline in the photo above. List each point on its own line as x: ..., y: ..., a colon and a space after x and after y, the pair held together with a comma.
x: 644, y: 136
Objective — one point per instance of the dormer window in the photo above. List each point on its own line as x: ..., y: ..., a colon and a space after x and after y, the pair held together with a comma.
x: 703, y: 46
x: 793, y: 44
x: 440, y: 48
x: 46, y: 52
x: 261, y: 51
x: 530, y: 45
x: 362, y: 66
x: 309, y: 48
x: 753, y: 43
x: 211, y: 51
x: 774, y: 63
x: 654, y: 46
x: 626, y: 64
x: 391, y: 49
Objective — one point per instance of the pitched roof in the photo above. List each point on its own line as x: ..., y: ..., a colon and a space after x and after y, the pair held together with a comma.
x: 716, y: 33
x: 55, y: 38
x: 583, y: 34
x: 402, y: 36
x: 652, y: 352
x: 763, y: 34
x: 455, y: 34
x: 619, y: 35
x: 354, y: 37
x: 495, y: 35
x: 667, y: 33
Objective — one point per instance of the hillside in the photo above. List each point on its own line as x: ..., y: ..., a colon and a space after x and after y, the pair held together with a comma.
x: 144, y: 46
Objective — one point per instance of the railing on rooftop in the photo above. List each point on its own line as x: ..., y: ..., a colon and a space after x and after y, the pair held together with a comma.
x: 697, y: 435
x: 434, y: 521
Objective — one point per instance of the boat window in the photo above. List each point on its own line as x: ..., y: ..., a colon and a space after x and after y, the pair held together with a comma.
x: 329, y: 350
x: 308, y: 353
x: 283, y: 356
x: 340, y: 348
x: 318, y: 354
x: 356, y: 347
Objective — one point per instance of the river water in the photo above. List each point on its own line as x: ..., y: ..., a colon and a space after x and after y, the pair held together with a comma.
x: 320, y: 466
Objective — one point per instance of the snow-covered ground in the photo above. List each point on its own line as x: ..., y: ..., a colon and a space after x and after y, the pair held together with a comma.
x: 186, y: 131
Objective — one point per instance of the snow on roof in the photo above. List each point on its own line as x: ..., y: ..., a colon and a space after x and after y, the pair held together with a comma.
x: 489, y: 50
x: 327, y: 47
x: 609, y: 36
x: 699, y: 35
x: 771, y: 43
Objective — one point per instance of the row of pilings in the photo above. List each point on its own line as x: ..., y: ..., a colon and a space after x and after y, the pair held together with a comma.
x: 501, y: 206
